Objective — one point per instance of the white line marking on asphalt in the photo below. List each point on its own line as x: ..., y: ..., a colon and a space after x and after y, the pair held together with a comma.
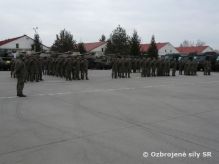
x: 8, y: 97
x: 109, y: 90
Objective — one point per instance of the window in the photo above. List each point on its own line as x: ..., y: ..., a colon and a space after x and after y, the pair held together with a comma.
x: 17, y: 45
x: 102, y: 49
x: 32, y: 47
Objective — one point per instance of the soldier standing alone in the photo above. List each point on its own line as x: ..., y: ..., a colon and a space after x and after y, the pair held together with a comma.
x: 20, y: 72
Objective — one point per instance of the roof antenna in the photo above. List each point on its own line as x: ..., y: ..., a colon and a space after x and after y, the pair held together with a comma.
x: 35, y: 29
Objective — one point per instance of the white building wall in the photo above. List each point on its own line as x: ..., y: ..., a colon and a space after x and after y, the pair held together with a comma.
x: 208, y: 49
x: 25, y: 43
x: 167, y: 49
x: 99, y: 51
x: 101, y: 48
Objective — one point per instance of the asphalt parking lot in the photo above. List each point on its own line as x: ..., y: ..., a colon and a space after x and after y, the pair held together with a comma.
x: 110, y: 121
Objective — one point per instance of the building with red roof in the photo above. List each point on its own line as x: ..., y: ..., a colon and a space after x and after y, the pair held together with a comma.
x: 98, y: 48
x: 21, y: 43
x: 163, y: 48
x: 194, y: 49
x: 3, y: 42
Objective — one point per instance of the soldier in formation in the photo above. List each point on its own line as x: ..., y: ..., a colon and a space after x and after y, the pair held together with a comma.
x: 148, y: 67
x: 181, y: 67
x: 152, y: 67
x: 207, y: 67
x: 33, y: 66
x: 190, y: 67
x: 174, y: 67
x: 135, y: 65
x: 12, y: 69
x: 70, y: 68
x: 121, y: 68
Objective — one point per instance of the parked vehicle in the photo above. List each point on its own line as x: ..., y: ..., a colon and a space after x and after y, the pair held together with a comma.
x: 1, y: 64
x: 101, y: 63
x: 212, y: 56
x: 173, y: 57
x: 5, y: 63
x: 217, y: 64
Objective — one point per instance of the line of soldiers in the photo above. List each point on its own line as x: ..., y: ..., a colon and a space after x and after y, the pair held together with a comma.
x: 157, y: 67
x: 189, y: 67
x: 136, y: 65
x: 33, y: 67
x: 70, y: 68
x: 151, y: 67
x: 207, y: 67
x: 122, y: 67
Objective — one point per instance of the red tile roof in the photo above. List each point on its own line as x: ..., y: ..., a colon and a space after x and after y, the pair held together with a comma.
x: 10, y: 40
x: 90, y: 46
x: 145, y: 47
x: 188, y: 50
x: 13, y: 39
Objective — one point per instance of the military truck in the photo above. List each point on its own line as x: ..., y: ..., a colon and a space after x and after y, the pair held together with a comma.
x: 101, y: 63
x: 212, y: 56
x: 217, y: 64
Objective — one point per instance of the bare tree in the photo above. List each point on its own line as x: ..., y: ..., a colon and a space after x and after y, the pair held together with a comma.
x: 188, y: 43
x: 200, y: 43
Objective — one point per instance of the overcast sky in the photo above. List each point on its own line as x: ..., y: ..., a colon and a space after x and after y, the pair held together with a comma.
x: 169, y: 20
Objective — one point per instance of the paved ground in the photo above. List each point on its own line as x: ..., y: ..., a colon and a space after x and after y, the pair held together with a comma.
x: 105, y: 121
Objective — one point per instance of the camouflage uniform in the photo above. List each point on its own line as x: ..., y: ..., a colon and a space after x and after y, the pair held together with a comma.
x: 144, y: 68
x: 207, y: 67
x: 77, y: 71
x: 20, y: 72
x: 74, y: 64
x: 153, y: 67
x: 148, y: 67
x: 115, y: 68
x: 129, y: 67
x: 134, y: 65
x: 68, y: 69
x: 174, y: 65
x: 12, y: 68
x: 84, y: 69
x: 181, y: 67
x: 159, y: 67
